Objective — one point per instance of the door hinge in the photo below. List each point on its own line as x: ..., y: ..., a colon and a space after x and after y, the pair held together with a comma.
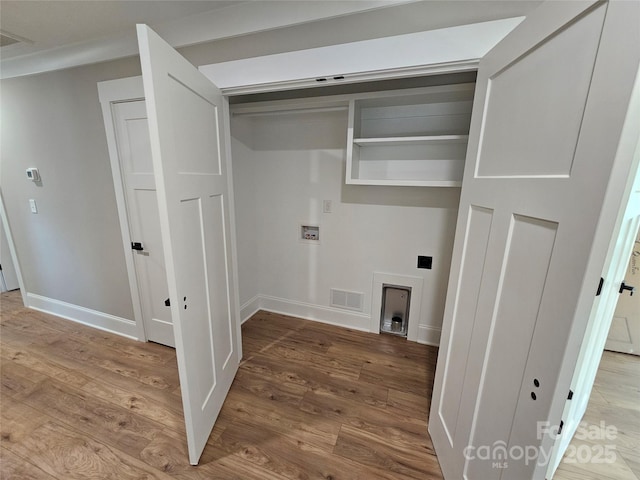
x: 600, y: 286
x: 570, y: 396
x: 167, y: 303
x: 136, y: 246
x: 560, y: 427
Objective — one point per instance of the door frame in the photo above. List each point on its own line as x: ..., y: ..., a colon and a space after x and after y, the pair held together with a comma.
x: 112, y: 92
x: 12, y: 250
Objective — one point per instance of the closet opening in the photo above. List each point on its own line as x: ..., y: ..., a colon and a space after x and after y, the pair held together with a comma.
x: 364, y: 164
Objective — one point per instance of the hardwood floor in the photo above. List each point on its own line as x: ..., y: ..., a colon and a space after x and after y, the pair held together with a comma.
x: 614, y: 402
x: 310, y: 401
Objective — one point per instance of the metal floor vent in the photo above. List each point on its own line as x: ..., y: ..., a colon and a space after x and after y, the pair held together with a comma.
x: 345, y: 299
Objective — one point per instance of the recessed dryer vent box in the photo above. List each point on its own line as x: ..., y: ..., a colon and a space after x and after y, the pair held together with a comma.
x: 310, y: 233
x: 394, y: 317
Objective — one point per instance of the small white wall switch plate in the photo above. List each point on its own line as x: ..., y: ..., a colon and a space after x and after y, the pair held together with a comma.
x: 326, y: 206
x: 33, y: 206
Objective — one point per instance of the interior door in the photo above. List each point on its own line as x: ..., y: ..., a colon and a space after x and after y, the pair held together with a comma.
x: 189, y: 145
x: 624, y: 334
x: 136, y: 165
x: 551, y: 101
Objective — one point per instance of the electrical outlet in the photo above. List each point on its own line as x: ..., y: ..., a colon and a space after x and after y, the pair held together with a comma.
x: 326, y: 206
x: 33, y: 206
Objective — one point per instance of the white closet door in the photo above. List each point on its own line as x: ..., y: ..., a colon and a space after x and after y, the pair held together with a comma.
x: 550, y: 103
x: 189, y: 139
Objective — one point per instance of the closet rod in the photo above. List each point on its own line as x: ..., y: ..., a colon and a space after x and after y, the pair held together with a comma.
x: 291, y: 111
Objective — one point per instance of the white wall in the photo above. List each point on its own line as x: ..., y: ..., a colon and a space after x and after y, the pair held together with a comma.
x: 246, y: 216
x: 284, y: 167
x: 71, y: 250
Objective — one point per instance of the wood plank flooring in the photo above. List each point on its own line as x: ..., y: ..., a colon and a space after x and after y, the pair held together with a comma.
x: 310, y: 401
x: 615, y: 401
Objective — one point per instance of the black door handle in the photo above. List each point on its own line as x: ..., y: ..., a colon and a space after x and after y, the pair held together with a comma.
x: 624, y: 286
x: 167, y: 303
x: 136, y: 246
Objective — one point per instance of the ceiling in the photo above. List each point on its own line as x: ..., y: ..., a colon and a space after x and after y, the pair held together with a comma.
x: 46, y: 24
x: 57, y: 34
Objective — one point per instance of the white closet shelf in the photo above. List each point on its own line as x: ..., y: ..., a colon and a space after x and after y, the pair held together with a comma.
x: 415, y: 140
x: 409, y: 139
x: 405, y: 183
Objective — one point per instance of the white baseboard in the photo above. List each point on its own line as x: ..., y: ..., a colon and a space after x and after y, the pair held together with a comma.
x: 248, y: 308
x: 121, y: 326
x: 428, y: 335
x: 317, y: 313
x: 86, y: 316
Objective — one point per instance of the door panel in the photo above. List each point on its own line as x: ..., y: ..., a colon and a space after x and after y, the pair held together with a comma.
x: 555, y: 74
x: 474, y: 253
x: 219, y: 287
x: 151, y: 271
x: 134, y: 153
x: 135, y: 135
x: 527, y: 258
x: 201, y: 139
x: 189, y: 140
x: 544, y: 133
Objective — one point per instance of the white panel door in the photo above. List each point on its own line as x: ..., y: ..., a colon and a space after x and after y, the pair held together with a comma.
x: 550, y: 103
x: 136, y: 166
x: 189, y: 141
